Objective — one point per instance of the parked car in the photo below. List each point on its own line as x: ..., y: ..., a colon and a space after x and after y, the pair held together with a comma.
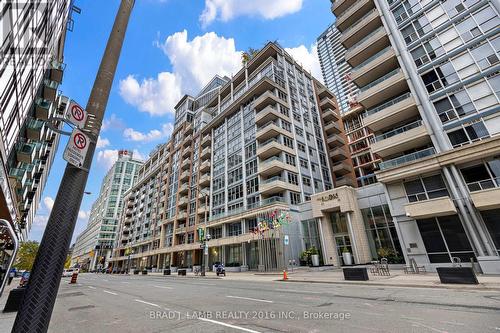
x: 24, y: 279
x: 69, y: 272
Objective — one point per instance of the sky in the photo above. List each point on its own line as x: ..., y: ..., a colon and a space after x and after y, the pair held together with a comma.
x: 172, y: 48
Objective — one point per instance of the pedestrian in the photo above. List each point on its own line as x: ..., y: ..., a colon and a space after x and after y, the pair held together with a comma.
x: 12, y: 274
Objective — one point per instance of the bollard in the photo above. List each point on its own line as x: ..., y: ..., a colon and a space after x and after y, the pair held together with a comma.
x: 285, y: 277
x: 73, y: 278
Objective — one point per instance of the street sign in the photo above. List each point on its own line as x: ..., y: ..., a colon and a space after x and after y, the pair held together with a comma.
x: 287, y: 240
x: 76, y: 114
x: 76, y: 149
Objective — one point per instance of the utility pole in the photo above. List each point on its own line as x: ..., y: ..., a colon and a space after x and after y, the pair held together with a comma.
x: 38, y: 302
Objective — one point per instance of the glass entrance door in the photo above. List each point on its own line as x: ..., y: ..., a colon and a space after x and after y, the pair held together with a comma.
x: 343, y: 242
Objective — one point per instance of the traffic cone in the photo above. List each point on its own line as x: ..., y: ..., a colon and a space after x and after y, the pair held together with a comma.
x: 73, y: 278
x: 285, y: 277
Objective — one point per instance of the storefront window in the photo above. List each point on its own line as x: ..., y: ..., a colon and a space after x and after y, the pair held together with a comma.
x: 339, y: 223
x: 492, y: 220
x: 233, y: 255
x: 445, y: 238
x: 311, y: 234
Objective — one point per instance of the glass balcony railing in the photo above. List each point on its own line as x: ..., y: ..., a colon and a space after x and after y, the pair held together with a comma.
x: 273, y: 179
x: 387, y: 104
x: 51, y: 84
x: 355, y: 24
x: 373, y: 57
x: 398, y: 130
x: 364, y: 39
x: 380, y: 80
x: 262, y: 203
x: 270, y: 160
x: 407, y: 158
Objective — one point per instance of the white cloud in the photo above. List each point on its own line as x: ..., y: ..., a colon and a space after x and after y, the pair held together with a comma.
x: 226, y: 10
x: 308, y: 58
x: 138, y: 155
x: 83, y: 214
x: 107, y: 157
x: 102, y: 142
x: 48, y: 203
x: 40, y: 221
x: 133, y: 135
x: 113, y: 122
x: 194, y: 63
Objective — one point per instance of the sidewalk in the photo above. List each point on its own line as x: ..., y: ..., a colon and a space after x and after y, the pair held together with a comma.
x: 397, y: 278
x: 7, y: 319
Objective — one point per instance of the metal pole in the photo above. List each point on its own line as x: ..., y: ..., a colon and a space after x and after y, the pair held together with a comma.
x: 205, y: 255
x: 38, y: 302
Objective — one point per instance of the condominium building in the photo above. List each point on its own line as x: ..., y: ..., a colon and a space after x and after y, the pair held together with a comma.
x: 93, y: 247
x: 337, y: 76
x: 31, y: 69
x: 244, y: 155
x: 427, y: 73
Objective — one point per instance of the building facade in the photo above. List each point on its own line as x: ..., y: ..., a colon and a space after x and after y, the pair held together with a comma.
x: 31, y: 69
x: 93, y: 247
x: 427, y: 73
x: 243, y: 156
x: 337, y: 76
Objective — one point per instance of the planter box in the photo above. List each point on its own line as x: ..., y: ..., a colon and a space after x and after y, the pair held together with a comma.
x: 355, y: 274
x: 173, y: 269
x: 457, y: 275
x: 233, y: 269
x: 167, y: 272
x: 144, y: 272
x: 14, y: 300
x: 136, y: 271
x: 181, y: 272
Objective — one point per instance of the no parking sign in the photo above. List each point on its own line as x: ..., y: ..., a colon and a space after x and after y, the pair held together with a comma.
x: 76, y: 114
x: 76, y: 149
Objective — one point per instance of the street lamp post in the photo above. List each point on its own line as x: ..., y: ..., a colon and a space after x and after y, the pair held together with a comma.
x: 40, y: 296
x: 204, y: 260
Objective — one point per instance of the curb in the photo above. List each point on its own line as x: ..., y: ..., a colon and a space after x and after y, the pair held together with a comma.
x: 406, y: 285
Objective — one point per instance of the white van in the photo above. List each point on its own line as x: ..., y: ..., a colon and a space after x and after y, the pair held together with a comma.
x: 69, y: 272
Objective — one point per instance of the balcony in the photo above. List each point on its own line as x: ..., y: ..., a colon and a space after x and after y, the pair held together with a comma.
x: 338, y: 154
x: 270, y: 130
x: 185, y: 175
x: 341, y: 168
x: 50, y: 90
x: 372, y: 43
x: 26, y: 153
x: 205, y: 166
x: 353, y: 13
x: 335, y: 141
x: 269, y: 113
x: 186, y: 164
x: 57, y: 71
x: 184, y: 188
x: 407, y: 137
x: 266, y: 99
x: 485, y: 194
x: 391, y: 112
x: 182, y: 215
x: 189, y: 129
x: 183, y: 201
x: 18, y: 176
x: 205, y: 180
x: 35, y: 129
x: 43, y: 109
x: 329, y: 115
x: 272, y: 147
x: 187, y: 141
x: 207, y: 139
x: 339, y: 6
x: 332, y: 128
x: 187, y: 152
x: 430, y: 208
x: 327, y: 103
x: 368, y: 23
x: 275, y: 165
x: 202, y: 209
x: 275, y: 185
x: 377, y: 65
x: 383, y: 88
x: 206, y: 153
x: 345, y: 181
x: 405, y: 159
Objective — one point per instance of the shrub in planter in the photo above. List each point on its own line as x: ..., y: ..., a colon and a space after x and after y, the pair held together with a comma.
x: 393, y: 257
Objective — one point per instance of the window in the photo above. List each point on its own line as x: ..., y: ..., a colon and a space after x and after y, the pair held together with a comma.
x: 304, y: 164
x: 234, y: 229
x: 235, y: 193
x: 289, y: 159
x: 250, y: 151
x: 251, y: 168
x: 235, y: 176
x: 293, y: 178
x: 426, y: 188
x: 252, y: 185
x: 306, y: 181
x: 301, y: 147
x: 294, y: 198
x: 482, y: 176
x: 288, y: 142
x: 444, y: 238
x: 468, y: 134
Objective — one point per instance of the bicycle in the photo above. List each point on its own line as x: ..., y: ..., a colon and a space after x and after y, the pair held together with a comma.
x: 196, y: 271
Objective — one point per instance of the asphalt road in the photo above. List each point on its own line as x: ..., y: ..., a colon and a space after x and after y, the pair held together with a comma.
x: 110, y: 303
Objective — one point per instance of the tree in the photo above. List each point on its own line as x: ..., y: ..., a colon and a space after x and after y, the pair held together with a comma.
x: 67, y: 264
x: 26, y: 255
x: 246, y: 56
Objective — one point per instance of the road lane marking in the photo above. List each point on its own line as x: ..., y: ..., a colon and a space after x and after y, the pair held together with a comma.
x: 202, y: 284
x: 228, y: 325
x: 125, y: 282
x: 91, y: 287
x: 252, y: 299
x: 144, y: 302
x: 298, y: 291
x: 428, y: 327
x: 453, y: 323
x: 110, y: 292
x: 163, y: 287
x: 105, y: 280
